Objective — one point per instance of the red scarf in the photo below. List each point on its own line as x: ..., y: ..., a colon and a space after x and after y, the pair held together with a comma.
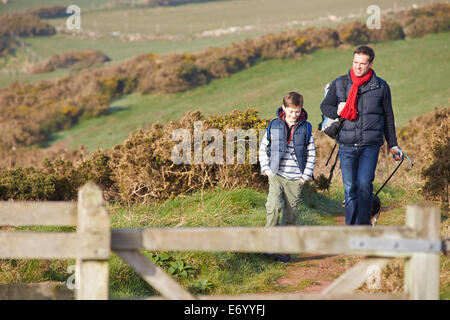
x: 349, y: 111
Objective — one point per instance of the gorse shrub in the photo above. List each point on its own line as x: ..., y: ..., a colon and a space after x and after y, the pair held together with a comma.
x: 27, y: 184
x: 80, y: 59
x: 144, y: 170
x: 427, y: 138
x: 354, y: 33
x: 141, y: 169
x: 421, y: 21
x: 7, y: 45
x: 48, y: 12
x: 390, y: 30
x: 24, y: 25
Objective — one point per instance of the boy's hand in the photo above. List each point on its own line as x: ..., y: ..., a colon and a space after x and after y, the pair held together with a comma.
x: 340, y: 108
x: 268, y: 172
x: 302, y: 181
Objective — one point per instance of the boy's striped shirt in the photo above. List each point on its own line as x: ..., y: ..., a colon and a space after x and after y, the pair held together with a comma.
x: 288, y: 164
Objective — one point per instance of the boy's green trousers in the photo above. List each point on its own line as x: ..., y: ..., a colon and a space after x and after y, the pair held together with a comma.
x: 282, y: 201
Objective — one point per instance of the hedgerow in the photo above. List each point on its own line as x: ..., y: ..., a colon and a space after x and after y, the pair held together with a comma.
x: 429, y: 19
x: 141, y: 169
x: 71, y: 59
x: 48, y: 12
x: 24, y: 25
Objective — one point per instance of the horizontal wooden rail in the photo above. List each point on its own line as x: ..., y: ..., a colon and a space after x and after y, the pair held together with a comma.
x: 47, y: 213
x: 47, y: 245
x: 319, y: 240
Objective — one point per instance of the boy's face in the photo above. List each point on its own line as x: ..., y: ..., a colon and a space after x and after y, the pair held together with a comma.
x: 292, y: 113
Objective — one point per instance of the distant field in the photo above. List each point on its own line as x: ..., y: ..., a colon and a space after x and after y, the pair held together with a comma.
x: 417, y: 71
x: 183, y: 23
x: 197, y: 17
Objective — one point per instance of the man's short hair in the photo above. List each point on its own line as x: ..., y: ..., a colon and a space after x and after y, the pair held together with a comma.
x: 293, y: 98
x: 368, y: 51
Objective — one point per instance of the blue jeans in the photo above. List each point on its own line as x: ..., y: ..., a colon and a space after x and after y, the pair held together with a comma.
x: 358, y: 166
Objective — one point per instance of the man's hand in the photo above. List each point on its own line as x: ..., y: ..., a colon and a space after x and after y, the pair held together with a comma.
x: 397, y: 153
x: 302, y: 181
x: 268, y: 172
x: 340, y: 108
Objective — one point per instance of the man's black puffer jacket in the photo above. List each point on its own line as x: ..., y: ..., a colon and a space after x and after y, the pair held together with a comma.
x: 375, y: 117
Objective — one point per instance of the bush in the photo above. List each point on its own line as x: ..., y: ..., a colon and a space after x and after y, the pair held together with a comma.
x: 76, y: 59
x: 424, y: 138
x: 24, y: 25
x: 140, y: 169
x: 27, y: 184
x: 7, y: 45
x: 143, y: 169
x: 421, y: 21
x: 390, y: 30
x: 191, y: 73
x: 354, y: 33
x: 48, y: 12
x: 437, y: 175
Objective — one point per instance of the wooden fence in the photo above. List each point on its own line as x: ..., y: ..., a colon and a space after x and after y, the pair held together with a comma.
x: 89, y: 245
x: 418, y: 241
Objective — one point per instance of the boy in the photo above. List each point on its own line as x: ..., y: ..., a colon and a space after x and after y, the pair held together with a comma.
x: 287, y: 156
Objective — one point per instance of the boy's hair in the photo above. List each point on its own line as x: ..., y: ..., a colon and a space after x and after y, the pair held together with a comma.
x: 293, y: 98
x: 368, y: 51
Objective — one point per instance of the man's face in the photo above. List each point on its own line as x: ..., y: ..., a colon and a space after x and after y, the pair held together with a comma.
x: 361, y: 64
x: 292, y: 113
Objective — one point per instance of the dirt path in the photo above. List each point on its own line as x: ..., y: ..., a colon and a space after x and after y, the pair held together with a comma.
x: 311, y: 273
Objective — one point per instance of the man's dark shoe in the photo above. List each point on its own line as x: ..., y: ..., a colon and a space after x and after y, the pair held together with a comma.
x: 282, y: 257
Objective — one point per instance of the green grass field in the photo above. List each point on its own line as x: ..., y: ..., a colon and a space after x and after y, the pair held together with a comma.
x: 401, y: 63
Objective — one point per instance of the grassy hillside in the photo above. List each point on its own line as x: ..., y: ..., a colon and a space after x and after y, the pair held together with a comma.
x: 262, y: 86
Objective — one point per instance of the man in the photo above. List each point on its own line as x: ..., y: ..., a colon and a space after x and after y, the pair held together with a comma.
x: 365, y: 104
x: 287, y: 156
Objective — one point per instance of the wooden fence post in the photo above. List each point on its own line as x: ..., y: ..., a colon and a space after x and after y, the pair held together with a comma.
x: 421, y: 281
x: 92, y: 283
